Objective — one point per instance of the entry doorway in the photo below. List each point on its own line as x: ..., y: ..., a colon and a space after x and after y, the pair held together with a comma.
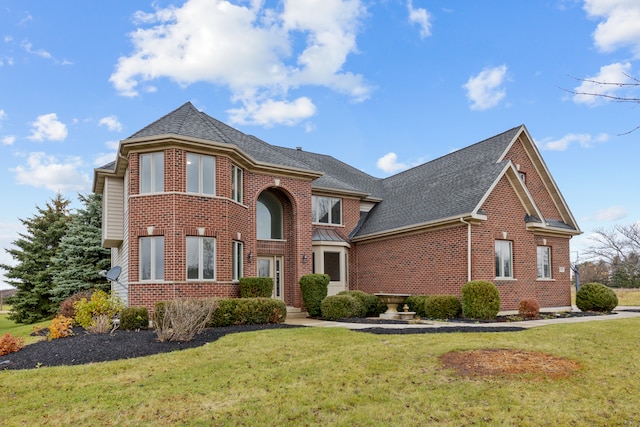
x: 271, y: 266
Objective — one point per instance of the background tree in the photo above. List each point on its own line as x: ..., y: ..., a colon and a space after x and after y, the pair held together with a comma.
x: 33, y: 253
x: 619, y: 247
x: 81, y: 256
x: 594, y: 271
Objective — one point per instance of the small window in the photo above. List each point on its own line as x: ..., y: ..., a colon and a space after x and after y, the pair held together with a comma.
x: 326, y: 210
x: 544, y: 262
x: 332, y: 265
x: 504, y: 259
x: 152, y: 173
x: 238, y: 256
x: 201, y: 172
x: 201, y: 258
x: 269, y: 214
x: 523, y: 177
x: 152, y: 258
x: 236, y: 184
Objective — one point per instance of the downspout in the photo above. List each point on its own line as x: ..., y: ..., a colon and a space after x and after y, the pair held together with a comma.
x: 468, y: 248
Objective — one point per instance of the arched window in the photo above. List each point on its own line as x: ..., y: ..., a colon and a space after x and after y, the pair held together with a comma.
x: 269, y: 214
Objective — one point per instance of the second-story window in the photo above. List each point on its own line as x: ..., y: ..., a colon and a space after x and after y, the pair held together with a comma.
x: 201, y: 174
x: 326, y: 210
x: 236, y: 184
x: 152, y: 173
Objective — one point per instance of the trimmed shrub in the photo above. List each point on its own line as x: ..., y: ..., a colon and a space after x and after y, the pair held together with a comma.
x: 480, y: 300
x: 416, y: 304
x: 66, y: 308
x: 340, y: 307
x: 90, y: 313
x: 248, y: 311
x: 596, y: 297
x: 60, y: 327
x: 256, y: 287
x: 314, y: 289
x: 372, y: 305
x: 442, y: 307
x: 181, y: 319
x: 10, y: 344
x: 134, y: 318
x: 529, y: 308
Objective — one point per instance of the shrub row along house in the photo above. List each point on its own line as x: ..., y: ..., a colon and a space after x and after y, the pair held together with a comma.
x: 192, y: 204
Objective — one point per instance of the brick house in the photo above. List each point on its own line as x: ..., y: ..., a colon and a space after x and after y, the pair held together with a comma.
x: 190, y: 205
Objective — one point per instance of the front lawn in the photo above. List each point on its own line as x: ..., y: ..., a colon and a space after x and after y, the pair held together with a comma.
x: 333, y: 376
x: 23, y: 331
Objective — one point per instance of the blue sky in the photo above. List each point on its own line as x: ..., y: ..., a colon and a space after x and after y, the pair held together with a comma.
x: 382, y: 85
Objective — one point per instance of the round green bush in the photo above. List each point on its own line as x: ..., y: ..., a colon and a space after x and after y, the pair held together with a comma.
x: 373, y: 306
x: 596, y: 297
x: 415, y: 304
x: 314, y: 289
x: 340, y: 307
x: 442, y: 307
x: 256, y: 287
x: 480, y: 300
x: 133, y: 318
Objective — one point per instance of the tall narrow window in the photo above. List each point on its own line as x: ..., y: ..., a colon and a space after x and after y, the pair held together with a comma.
x: 152, y: 258
x: 237, y: 257
x: 332, y: 265
x: 201, y: 258
x: 544, y: 262
x: 269, y: 214
x: 504, y: 259
x: 152, y: 173
x: 326, y: 210
x: 201, y: 173
x: 236, y: 184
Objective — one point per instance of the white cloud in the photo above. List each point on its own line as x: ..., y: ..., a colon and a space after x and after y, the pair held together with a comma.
x: 421, y: 18
x: 389, y: 163
x: 28, y: 47
x: 8, y: 139
x: 270, y: 112
x: 619, y: 26
x: 485, y: 90
x: 3, y: 115
x: 612, y: 213
x: 111, y: 122
x: 46, y: 171
x: 584, y: 139
x: 104, y: 158
x: 591, y: 87
x: 47, y: 127
x: 249, y: 48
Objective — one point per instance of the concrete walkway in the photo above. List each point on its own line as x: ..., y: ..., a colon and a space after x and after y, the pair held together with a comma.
x: 619, y: 313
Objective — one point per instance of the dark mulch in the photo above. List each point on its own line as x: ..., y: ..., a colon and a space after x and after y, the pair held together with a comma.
x: 83, y: 348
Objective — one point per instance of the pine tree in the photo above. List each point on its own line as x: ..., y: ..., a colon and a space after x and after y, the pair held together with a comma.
x: 33, y: 253
x: 81, y: 256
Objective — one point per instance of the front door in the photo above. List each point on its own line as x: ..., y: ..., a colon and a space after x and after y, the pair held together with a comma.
x: 271, y: 266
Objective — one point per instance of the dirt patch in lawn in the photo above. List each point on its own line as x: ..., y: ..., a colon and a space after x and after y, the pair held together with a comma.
x: 497, y: 362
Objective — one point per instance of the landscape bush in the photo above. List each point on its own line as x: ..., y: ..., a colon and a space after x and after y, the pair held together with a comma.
x: 256, y: 287
x: 529, y: 308
x: 340, y: 307
x: 67, y: 309
x: 248, y: 311
x: 442, y: 307
x: 182, y: 319
x: 60, y: 327
x: 372, y: 305
x: 314, y: 289
x: 415, y: 304
x: 10, y: 344
x: 596, y: 297
x: 480, y: 300
x: 97, y: 311
x: 134, y: 318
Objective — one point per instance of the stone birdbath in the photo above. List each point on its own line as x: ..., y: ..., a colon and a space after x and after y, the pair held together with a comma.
x: 392, y: 301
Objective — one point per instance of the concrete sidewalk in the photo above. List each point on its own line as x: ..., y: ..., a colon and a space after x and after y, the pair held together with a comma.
x: 619, y: 313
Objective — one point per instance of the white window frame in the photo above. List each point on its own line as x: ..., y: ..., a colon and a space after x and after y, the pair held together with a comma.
x: 502, y: 248
x: 200, y: 158
x: 544, y: 262
x: 315, y: 200
x: 237, y: 260
x: 155, y: 173
x: 200, y: 253
x: 156, y: 270
x: 237, y: 192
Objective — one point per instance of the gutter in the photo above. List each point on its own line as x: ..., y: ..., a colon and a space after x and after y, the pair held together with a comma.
x: 468, y: 248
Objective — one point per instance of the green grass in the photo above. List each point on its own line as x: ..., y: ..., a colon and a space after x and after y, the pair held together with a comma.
x: 24, y: 331
x: 337, y: 377
x: 628, y: 296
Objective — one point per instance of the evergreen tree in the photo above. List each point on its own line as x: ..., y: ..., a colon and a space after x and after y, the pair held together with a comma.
x: 33, y: 253
x: 81, y: 256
